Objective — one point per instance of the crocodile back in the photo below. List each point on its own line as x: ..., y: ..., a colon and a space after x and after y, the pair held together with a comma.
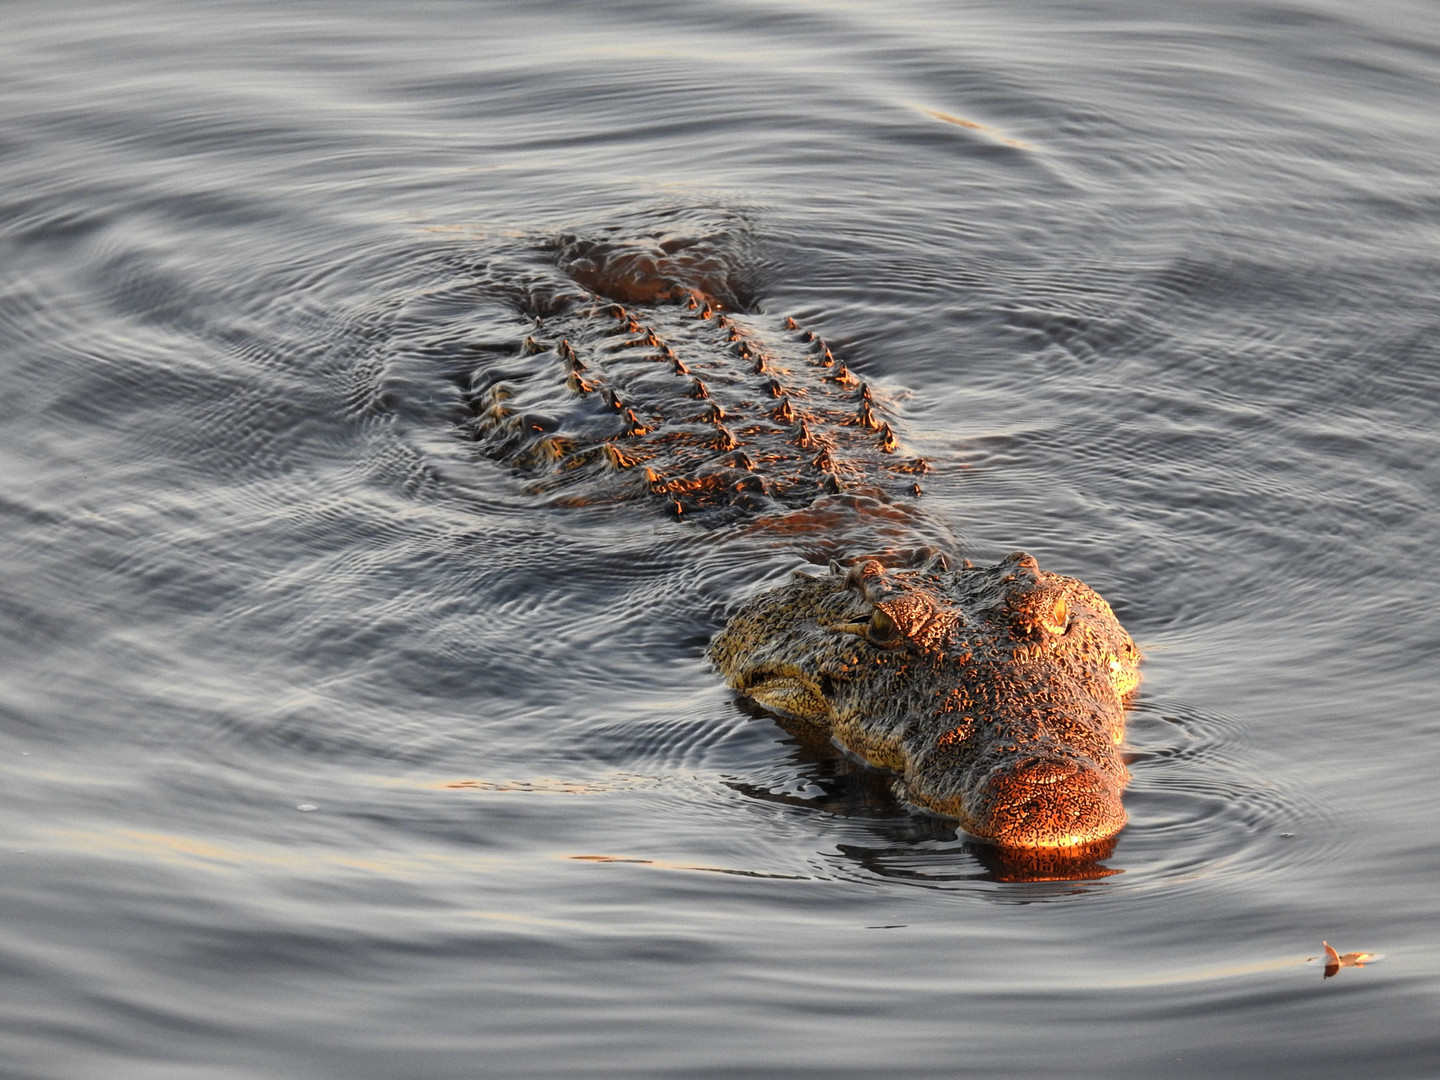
x: 644, y: 378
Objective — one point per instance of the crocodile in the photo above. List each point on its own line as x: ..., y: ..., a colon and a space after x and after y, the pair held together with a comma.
x: 996, y: 695
x: 645, y: 378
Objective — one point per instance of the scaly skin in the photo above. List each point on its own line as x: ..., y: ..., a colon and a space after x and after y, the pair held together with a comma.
x: 645, y: 383
x: 997, y: 694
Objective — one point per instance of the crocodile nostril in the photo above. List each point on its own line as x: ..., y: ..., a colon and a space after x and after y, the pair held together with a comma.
x: 1043, y: 772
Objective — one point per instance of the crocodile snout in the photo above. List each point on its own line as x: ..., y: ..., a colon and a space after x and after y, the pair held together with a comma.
x: 1046, y: 803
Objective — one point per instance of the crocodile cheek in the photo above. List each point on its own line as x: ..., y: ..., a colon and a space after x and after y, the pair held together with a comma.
x: 1045, y: 803
x: 1125, y: 677
x: 790, y: 695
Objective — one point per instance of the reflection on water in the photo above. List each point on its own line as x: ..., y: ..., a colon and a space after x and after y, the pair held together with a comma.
x: 971, y: 860
x: 905, y: 844
x: 1157, y: 297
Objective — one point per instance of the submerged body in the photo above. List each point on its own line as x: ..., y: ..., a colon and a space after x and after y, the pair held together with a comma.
x: 642, y: 378
x: 996, y: 694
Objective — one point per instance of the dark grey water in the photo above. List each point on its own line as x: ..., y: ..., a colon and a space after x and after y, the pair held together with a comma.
x: 328, y: 750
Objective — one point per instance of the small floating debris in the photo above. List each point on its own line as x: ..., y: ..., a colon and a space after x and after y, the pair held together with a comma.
x: 960, y: 121
x: 307, y: 807
x: 1334, y: 961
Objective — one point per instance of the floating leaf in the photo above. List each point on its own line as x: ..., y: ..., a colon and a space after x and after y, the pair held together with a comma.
x: 1334, y: 961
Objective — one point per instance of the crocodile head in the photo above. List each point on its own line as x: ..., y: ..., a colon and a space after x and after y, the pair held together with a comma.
x: 995, y: 693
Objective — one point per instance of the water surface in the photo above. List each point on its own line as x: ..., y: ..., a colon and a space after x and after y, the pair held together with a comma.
x: 331, y: 750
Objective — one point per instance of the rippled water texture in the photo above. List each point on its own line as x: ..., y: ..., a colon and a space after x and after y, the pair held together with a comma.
x: 330, y: 747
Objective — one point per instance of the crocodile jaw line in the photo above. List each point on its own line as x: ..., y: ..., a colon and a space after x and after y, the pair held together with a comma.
x: 788, y: 693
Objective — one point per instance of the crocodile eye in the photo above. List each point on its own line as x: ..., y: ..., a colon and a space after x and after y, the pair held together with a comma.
x: 882, y: 630
x: 1057, y: 619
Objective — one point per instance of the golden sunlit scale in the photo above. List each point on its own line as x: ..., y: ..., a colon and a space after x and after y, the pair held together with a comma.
x: 687, y: 393
x: 995, y: 694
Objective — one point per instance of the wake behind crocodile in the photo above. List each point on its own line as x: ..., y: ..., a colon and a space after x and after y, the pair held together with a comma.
x: 996, y: 694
